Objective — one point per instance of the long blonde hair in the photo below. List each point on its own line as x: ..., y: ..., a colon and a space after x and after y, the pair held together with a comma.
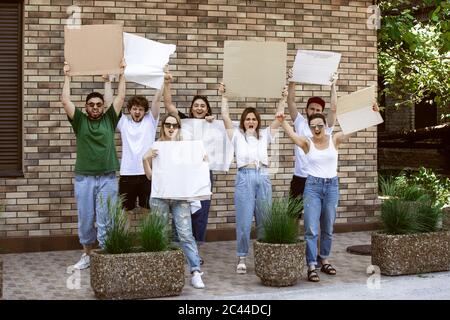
x: 162, y: 134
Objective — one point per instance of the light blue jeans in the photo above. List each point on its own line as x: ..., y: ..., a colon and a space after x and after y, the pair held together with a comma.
x: 320, y: 201
x: 181, y: 213
x: 92, y: 193
x: 252, y: 195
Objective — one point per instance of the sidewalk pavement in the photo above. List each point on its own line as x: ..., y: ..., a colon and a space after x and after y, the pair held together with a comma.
x: 42, y: 275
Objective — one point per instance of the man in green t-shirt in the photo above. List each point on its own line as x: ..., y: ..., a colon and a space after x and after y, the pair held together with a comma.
x: 96, y: 163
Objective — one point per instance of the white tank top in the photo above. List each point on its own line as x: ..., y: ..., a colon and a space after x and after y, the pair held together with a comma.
x: 322, y: 163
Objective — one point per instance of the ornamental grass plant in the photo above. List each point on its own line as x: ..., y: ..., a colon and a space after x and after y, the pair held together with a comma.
x: 153, y: 232
x: 280, y: 221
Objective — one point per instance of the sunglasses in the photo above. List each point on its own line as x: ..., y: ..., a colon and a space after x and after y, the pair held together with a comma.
x: 92, y: 104
x: 318, y: 126
x: 171, y: 125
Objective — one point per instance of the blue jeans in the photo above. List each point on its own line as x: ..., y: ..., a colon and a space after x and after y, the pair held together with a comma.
x: 92, y: 193
x: 181, y: 213
x: 252, y: 195
x: 200, y: 218
x: 320, y: 201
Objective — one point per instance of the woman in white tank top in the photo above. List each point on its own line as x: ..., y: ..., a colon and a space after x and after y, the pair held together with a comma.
x: 320, y: 198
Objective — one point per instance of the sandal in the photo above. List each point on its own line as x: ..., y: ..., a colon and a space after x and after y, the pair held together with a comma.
x: 313, y: 276
x: 328, y: 269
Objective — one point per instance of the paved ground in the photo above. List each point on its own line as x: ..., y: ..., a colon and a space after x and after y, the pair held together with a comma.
x: 42, y: 275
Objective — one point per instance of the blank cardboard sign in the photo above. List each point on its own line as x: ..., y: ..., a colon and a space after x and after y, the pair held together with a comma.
x: 254, y: 69
x: 94, y: 49
x: 354, y: 111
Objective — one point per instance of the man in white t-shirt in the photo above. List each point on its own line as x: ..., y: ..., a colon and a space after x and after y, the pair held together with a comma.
x: 138, y: 134
x: 301, y: 125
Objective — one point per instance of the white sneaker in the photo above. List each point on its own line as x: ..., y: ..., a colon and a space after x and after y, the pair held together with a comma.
x: 84, y: 263
x: 241, y: 267
x: 197, y: 281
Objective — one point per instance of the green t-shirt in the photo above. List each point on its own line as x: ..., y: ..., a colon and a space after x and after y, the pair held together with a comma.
x: 96, y: 149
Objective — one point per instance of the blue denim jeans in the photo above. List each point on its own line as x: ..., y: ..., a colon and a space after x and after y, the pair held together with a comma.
x: 91, y: 194
x: 200, y: 218
x: 181, y: 213
x: 252, y: 195
x: 320, y: 201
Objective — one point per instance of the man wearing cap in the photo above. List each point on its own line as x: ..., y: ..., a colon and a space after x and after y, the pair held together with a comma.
x: 313, y: 106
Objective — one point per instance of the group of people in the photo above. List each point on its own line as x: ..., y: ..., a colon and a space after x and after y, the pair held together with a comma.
x: 315, y: 175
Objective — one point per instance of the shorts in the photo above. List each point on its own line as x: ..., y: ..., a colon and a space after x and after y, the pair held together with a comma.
x: 133, y: 188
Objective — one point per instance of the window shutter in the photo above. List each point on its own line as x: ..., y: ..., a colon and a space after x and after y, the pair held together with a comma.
x: 10, y: 88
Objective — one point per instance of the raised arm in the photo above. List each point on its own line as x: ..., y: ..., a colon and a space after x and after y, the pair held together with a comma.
x: 226, y: 112
x: 280, y: 110
x: 302, y: 142
x: 167, y: 95
x: 331, y: 119
x: 156, y: 104
x: 108, y: 96
x: 121, y: 90
x: 147, y: 162
x: 68, y: 105
x: 293, y: 112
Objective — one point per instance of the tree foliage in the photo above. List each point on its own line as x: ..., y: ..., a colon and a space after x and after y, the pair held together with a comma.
x: 414, y: 51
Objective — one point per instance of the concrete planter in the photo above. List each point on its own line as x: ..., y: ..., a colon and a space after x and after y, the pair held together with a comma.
x: 411, y: 253
x: 279, y: 265
x: 137, y: 275
x: 1, y: 278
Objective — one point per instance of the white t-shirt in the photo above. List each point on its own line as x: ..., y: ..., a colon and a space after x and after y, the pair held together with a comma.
x: 137, y: 139
x: 249, y: 149
x: 302, y: 129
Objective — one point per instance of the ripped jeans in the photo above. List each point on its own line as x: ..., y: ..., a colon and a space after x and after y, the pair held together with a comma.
x: 181, y: 213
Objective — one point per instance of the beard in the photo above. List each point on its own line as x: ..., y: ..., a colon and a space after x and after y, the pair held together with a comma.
x: 94, y: 116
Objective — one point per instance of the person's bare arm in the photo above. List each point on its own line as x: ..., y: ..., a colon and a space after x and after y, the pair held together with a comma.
x: 225, y: 110
x: 108, y: 96
x: 333, y: 106
x: 156, y: 104
x: 167, y: 94
x: 121, y: 90
x: 280, y: 109
x: 293, y: 112
x: 68, y: 105
x: 300, y: 141
x: 147, y: 162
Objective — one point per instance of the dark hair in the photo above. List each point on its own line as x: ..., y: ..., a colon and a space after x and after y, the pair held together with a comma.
x: 205, y: 99
x: 163, y: 121
x: 94, y: 95
x: 137, y: 101
x: 317, y: 116
x: 317, y: 100
x: 244, y: 115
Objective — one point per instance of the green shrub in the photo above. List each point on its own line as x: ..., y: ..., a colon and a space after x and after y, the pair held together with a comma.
x: 280, y: 221
x: 397, y: 217
x: 118, y: 238
x: 400, y: 216
x: 435, y: 185
x: 154, y: 234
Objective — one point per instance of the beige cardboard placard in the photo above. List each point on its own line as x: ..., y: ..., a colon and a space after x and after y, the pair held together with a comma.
x: 254, y: 69
x: 94, y: 49
x: 354, y: 111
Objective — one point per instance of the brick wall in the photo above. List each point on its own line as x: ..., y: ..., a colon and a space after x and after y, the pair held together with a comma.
x: 42, y: 202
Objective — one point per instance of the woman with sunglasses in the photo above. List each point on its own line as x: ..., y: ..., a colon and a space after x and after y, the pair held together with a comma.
x: 200, y: 109
x: 253, y: 188
x: 180, y: 209
x: 321, y: 195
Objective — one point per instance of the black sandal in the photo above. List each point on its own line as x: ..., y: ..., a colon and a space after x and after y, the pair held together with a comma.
x: 328, y: 269
x: 313, y: 276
